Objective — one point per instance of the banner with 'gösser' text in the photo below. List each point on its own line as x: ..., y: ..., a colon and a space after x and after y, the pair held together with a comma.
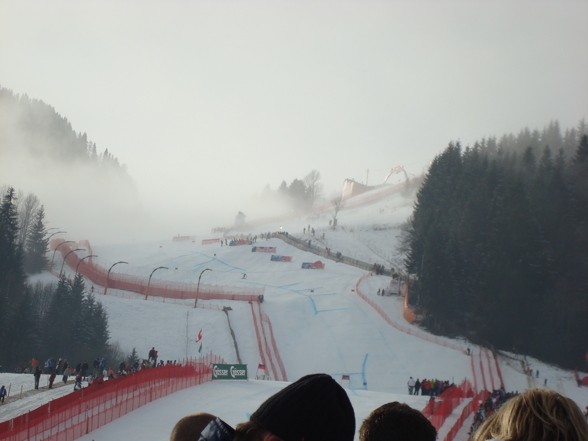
x: 229, y: 372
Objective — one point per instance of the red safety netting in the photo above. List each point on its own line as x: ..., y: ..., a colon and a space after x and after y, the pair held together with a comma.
x: 438, y: 410
x: 266, y: 343
x: 465, y: 413
x: 74, y: 415
x: 144, y: 286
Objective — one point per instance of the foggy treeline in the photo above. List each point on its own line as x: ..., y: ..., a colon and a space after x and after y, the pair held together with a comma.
x: 300, y: 195
x: 36, y: 127
x: 81, y: 186
x: 498, y: 242
x: 42, y: 320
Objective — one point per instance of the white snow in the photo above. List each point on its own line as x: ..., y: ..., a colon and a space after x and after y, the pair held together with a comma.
x: 320, y: 324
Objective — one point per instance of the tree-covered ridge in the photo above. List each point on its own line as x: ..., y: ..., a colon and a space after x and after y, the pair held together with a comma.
x: 43, y: 320
x: 34, y: 127
x: 498, y: 243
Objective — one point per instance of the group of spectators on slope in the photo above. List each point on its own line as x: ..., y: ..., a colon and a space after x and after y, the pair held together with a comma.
x: 431, y: 387
x: 81, y: 371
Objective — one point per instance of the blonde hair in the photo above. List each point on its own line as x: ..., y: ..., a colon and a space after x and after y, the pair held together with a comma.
x: 536, y: 415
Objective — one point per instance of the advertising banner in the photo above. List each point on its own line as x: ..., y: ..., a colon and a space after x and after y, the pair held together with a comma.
x: 207, y: 241
x: 181, y: 238
x: 394, y: 287
x: 229, y: 372
x: 263, y: 249
x: 316, y: 265
x: 276, y: 258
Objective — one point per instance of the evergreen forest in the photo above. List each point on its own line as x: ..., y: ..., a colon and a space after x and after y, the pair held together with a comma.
x: 33, y: 127
x: 42, y: 320
x: 498, y: 244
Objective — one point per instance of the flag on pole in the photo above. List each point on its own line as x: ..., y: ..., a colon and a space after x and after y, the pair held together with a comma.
x: 261, y: 366
x: 199, y: 336
x: 200, y: 348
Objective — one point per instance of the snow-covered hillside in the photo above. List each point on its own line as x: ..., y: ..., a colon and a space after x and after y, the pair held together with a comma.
x: 319, y: 321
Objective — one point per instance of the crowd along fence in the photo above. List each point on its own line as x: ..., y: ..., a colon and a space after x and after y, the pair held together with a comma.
x: 76, y: 414
x: 142, y: 285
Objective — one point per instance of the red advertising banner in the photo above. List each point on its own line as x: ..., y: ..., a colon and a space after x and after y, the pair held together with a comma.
x: 263, y: 249
x: 207, y: 241
x: 182, y: 238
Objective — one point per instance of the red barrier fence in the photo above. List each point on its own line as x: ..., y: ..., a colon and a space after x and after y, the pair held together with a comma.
x: 268, y: 348
x: 462, y: 391
x: 448, y: 401
x: 281, y: 369
x: 142, y: 285
x: 468, y: 409
x: 74, y: 415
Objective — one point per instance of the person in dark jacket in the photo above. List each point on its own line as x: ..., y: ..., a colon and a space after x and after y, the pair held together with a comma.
x: 37, y: 375
x: 78, y: 383
x: 3, y: 394
x: 52, y: 378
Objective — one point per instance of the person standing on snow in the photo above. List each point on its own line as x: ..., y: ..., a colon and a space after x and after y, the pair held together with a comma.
x: 78, y: 383
x: 66, y: 373
x: 103, y: 364
x: 37, y: 374
x: 417, y: 387
x: 2, y: 394
x: 52, y: 378
x: 411, y: 384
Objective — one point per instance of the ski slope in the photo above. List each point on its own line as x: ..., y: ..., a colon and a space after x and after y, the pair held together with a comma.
x: 318, y: 320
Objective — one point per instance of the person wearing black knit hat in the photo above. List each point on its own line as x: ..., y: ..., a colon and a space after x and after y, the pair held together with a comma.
x: 314, y: 408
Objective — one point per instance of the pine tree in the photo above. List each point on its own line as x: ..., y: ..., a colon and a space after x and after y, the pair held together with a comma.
x: 12, y: 278
x: 133, y: 357
x: 36, y: 245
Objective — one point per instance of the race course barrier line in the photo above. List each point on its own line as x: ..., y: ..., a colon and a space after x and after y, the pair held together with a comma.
x: 274, y: 345
x: 406, y: 329
x: 257, y: 324
x: 158, y: 288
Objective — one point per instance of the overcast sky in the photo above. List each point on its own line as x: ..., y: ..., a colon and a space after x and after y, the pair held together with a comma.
x: 206, y: 102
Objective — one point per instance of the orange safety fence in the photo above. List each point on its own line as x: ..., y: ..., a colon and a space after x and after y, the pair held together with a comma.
x: 407, y: 313
x: 76, y: 414
x: 142, y: 285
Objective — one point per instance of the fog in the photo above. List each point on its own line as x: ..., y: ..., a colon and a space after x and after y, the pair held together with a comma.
x: 208, y: 102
